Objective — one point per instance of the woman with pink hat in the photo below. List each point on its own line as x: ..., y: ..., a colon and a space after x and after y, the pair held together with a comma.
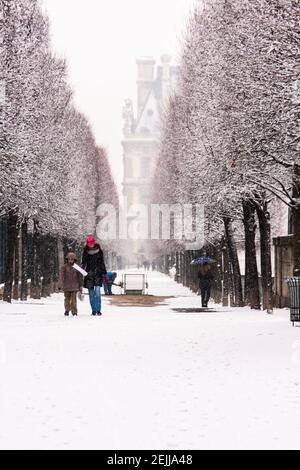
x: 93, y: 263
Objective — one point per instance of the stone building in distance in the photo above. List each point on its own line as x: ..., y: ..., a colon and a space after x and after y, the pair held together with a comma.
x: 142, y: 130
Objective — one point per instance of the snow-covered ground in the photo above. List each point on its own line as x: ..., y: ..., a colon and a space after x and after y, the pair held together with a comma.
x: 148, y: 378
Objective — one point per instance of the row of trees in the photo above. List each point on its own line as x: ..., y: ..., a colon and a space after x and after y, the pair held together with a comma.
x: 52, y: 173
x: 231, y: 136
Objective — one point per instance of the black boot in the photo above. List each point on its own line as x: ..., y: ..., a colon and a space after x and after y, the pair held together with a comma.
x: 66, y: 314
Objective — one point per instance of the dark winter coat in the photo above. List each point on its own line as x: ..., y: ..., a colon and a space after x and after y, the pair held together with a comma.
x: 93, y: 263
x: 205, y: 280
x: 70, y: 279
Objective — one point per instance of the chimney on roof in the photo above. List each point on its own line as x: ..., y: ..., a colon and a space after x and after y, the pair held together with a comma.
x: 146, y: 76
x: 166, y: 77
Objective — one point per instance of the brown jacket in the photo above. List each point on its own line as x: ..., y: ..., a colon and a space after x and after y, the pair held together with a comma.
x: 70, y: 279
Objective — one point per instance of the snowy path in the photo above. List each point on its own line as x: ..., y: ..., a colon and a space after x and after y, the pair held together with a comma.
x: 148, y: 378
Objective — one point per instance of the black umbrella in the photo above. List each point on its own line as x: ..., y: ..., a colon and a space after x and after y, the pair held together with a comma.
x: 203, y: 260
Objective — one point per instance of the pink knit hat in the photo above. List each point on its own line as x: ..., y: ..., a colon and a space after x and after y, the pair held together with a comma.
x: 91, y: 241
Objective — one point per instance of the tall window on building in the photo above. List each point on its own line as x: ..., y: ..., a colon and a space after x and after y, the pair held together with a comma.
x: 145, y: 197
x: 145, y: 168
x: 145, y: 150
x: 129, y: 168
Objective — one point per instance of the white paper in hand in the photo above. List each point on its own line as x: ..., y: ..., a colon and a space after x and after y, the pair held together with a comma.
x: 80, y: 270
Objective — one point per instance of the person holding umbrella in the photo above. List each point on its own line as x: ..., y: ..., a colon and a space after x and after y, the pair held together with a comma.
x: 205, y: 278
x: 205, y: 282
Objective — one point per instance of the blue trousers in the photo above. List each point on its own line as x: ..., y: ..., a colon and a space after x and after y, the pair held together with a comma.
x: 107, y: 287
x: 95, y: 298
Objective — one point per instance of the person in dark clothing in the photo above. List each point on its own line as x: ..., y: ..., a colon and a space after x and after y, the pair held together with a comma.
x: 93, y: 264
x: 71, y: 282
x: 111, y: 281
x: 205, y: 282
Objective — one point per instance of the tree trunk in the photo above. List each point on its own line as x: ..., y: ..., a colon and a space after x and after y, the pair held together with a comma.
x: 231, y: 287
x: 52, y: 264
x: 35, y: 290
x: 234, y: 261
x: 265, y: 254
x: 252, y: 296
x: 226, y: 275
x: 16, y: 288
x: 10, y: 255
x: 184, y: 268
x: 296, y: 220
x: 48, y: 267
x: 177, y: 267
x: 24, y: 268
x: 217, y: 269
x: 56, y: 267
x: 181, y: 268
x: 191, y: 271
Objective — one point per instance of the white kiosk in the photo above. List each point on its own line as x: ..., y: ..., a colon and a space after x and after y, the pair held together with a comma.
x: 135, y: 284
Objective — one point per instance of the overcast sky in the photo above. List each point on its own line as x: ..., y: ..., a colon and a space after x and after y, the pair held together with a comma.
x: 101, y: 40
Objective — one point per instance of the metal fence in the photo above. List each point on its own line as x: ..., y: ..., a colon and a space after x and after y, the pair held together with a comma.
x: 294, y: 288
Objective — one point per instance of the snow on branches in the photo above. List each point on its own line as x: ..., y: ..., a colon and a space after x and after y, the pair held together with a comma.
x: 237, y: 133
x: 231, y: 135
x: 49, y: 160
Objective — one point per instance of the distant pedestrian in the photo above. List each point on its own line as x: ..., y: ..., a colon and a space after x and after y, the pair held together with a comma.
x: 71, y: 282
x: 205, y: 282
x: 108, y: 285
x: 93, y: 263
x: 146, y: 265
